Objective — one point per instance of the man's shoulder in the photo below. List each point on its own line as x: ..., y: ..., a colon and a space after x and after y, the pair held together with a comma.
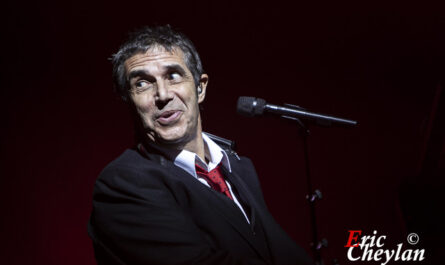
x: 129, y: 159
x: 129, y: 166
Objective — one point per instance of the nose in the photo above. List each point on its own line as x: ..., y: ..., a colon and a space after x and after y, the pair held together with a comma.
x: 163, y: 95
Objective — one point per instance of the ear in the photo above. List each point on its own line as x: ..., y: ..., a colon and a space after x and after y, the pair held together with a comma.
x: 203, y: 81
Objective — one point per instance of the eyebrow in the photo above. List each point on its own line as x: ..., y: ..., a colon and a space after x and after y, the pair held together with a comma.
x: 175, y: 68
x: 137, y: 73
x: 168, y: 69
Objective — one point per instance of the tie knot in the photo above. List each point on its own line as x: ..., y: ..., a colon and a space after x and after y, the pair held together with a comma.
x: 201, y: 170
x: 214, y: 178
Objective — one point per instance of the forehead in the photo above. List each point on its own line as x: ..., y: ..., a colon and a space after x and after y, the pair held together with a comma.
x: 155, y: 57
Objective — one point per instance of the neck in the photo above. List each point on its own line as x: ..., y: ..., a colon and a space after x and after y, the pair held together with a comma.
x: 195, y: 144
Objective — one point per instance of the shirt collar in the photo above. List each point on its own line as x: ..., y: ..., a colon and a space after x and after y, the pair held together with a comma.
x: 187, y: 160
x: 214, y: 154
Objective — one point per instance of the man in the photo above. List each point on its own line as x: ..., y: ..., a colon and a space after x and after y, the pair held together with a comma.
x: 179, y: 197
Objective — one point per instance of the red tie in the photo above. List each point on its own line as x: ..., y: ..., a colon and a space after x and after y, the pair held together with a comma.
x: 215, y: 179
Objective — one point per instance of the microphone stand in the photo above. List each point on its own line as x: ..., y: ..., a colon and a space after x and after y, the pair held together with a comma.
x: 312, y: 195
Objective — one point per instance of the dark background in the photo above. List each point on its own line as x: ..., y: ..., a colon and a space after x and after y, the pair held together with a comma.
x: 381, y: 64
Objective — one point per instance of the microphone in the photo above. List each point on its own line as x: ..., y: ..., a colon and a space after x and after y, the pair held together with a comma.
x: 250, y: 106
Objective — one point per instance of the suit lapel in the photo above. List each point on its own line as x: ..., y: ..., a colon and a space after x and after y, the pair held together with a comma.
x: 242, y: 194
x: 221, y: 205
x: 247, y: 197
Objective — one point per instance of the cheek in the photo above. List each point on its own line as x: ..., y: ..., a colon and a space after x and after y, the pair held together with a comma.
x: 142, y: 105
x: 143, y: 109
x: 191, y: 96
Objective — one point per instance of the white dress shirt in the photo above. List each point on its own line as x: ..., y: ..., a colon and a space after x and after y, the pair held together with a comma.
x: 215, y: 155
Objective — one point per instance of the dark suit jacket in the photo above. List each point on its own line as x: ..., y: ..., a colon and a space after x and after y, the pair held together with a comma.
x: 146, y: 210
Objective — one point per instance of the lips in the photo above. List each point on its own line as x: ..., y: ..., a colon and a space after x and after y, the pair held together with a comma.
x: 169, y: 117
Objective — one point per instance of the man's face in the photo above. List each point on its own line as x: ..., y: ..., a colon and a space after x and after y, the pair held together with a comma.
x: 164, y: 95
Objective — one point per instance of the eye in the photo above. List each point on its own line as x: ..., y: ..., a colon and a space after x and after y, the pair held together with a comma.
x: 174, y: 76
x: 141, y: 85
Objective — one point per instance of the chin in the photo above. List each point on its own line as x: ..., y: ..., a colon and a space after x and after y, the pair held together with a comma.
x: 173, y: 137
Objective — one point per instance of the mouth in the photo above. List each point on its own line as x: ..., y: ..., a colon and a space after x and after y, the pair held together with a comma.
x: 169, y: 117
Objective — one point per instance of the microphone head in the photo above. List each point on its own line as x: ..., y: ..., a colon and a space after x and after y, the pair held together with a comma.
x: 250, y: 106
